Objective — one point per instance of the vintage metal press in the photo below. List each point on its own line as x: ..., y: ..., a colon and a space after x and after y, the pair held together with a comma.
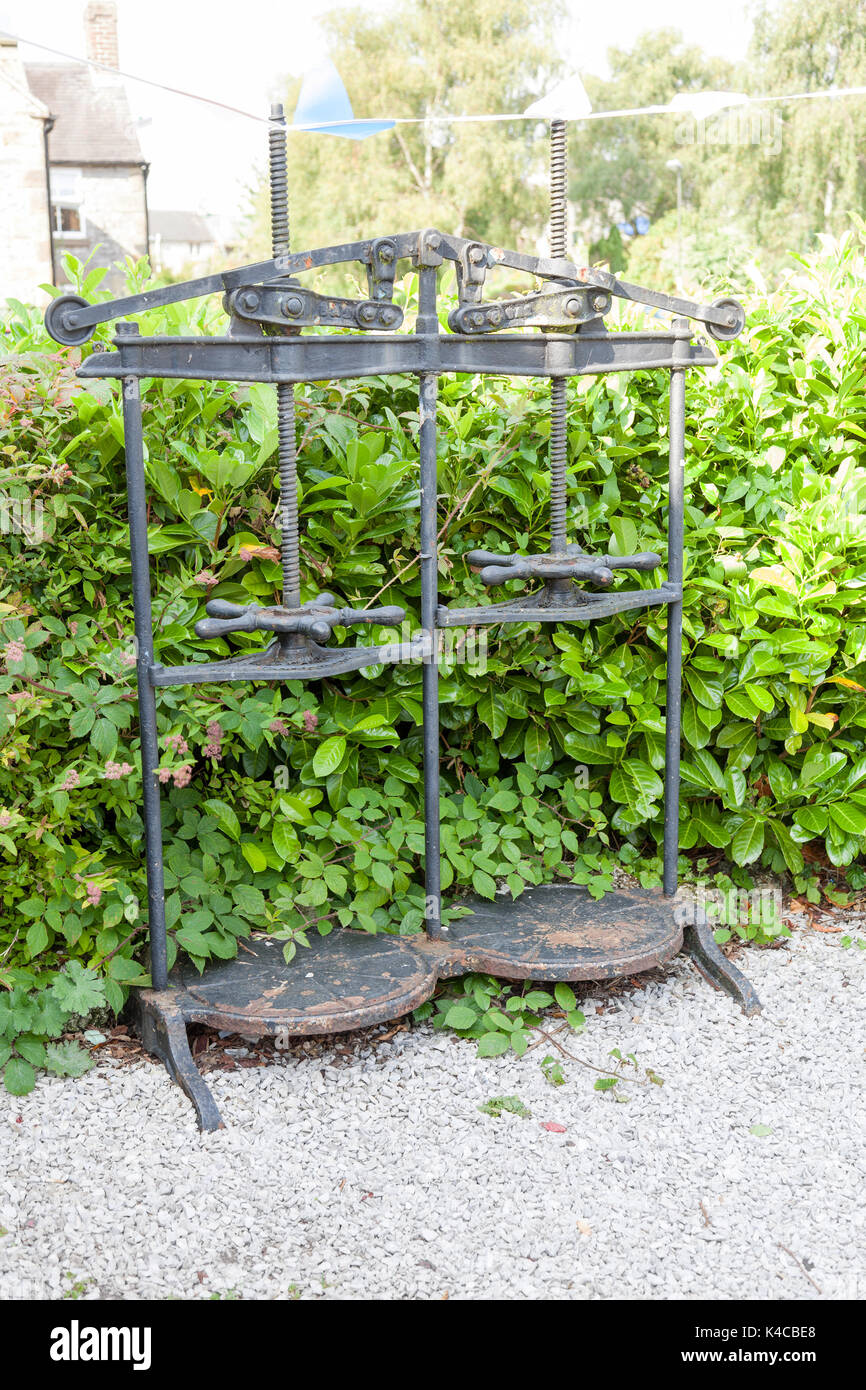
x: 351, y: 978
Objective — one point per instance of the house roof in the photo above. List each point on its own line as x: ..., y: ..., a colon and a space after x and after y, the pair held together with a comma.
x: 180, y: 226
x: 12, y: 76
x: 93, y: 122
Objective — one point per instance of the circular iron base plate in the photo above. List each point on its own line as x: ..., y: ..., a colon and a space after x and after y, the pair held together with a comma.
x: 560, y: 932
x: 342, y: 981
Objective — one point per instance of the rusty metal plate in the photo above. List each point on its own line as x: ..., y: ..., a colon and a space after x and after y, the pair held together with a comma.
x: 345, y: 980
x: 349, y: 980
x: 559, y: 932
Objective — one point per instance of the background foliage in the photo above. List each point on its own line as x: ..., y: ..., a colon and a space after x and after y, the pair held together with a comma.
x: 289, y: 809
x: 758, y: 182
x: 428, y: 62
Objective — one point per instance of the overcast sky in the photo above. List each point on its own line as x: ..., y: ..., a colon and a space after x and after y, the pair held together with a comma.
x: 200, y: 157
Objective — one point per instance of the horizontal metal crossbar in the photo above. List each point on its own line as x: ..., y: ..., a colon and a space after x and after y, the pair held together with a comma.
x: 341, y: 357
x: 522, y: 610
x: 271, y: 665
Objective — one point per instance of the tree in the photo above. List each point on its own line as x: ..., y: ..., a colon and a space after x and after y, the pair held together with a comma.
x: 818, y: 176
x: 428, y: 62
x: 618, y: 166
x: 760, y: 180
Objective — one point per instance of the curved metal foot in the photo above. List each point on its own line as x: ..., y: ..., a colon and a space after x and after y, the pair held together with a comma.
x: 717, y: 970
x: 162, y: 1029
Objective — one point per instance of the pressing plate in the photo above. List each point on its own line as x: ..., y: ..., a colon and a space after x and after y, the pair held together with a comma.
x: 349, y: 979
x: 559, y: 932
x: 342, y: 981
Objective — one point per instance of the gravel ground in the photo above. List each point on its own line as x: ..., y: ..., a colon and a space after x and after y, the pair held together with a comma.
x: 374, y: 1174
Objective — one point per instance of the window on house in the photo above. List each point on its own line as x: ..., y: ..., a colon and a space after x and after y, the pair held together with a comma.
x: 67, y: 202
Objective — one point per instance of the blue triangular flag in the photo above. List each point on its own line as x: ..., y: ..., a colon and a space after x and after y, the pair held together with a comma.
x: 324, y: 106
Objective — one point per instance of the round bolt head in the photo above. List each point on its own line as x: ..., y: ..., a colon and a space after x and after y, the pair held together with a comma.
x: 367, y: 313
x: 572, y: 307
x: 600, y: 302
x: 293, y: 306
x: 434, y: 241
x: 476, y: 254
x: 249, y: 300
x: 386, y: 253
x: 476, y: 319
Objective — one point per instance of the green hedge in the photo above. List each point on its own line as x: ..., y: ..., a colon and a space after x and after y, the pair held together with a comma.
x: 289, y: 809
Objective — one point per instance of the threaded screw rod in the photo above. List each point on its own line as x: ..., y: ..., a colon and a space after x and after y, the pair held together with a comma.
x: 558, y: 452
x: 557, y: 461
x: 287, y: 447
x: 558, y: 189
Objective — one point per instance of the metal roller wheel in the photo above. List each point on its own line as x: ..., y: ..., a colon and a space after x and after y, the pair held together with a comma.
x: 724, y: 335
x: 55, y: 315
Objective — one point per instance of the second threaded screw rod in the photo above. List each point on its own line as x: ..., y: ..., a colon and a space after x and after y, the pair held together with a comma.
x: 558, y: 455
x: 287, y: 449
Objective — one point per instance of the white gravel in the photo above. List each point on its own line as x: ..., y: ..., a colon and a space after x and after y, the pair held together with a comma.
x: 378, y: 1177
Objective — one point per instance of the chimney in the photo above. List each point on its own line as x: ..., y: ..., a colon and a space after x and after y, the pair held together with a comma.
x: 100, y: 32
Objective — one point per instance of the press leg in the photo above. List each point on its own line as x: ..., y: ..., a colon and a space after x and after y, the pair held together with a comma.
x: 713, y: 964
x: 162, y: 1029
x: 427, y: 398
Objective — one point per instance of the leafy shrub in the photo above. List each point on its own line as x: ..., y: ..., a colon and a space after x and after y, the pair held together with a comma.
x: 289, y: 809
x: 497, y: 1014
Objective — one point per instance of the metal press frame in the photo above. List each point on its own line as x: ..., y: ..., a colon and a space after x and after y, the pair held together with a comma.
x: 350, y: 978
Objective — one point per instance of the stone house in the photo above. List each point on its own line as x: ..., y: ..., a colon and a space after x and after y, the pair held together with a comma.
x: 72, y: 166
x: 25, y: 235
x: 184, y: 244
x: 181, y: 242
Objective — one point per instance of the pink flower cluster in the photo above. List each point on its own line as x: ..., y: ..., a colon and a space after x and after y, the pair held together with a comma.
x: 5, y: 818
x: 114, y: 771
x: 14, y: 651
x: 214, y: 746
x: 94, y: 893
x: 72, y: 780
x: 311, y: 721
x: 177, y: 743
x: 182, y: 776
x: 277, y: 726
x: 206, y: 578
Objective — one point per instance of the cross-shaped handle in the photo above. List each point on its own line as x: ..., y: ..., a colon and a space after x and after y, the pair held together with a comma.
x: 316, y: 619
x: 498, y: 569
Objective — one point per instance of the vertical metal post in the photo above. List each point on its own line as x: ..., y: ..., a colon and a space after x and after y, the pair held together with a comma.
x: 134, y: 450
x: 673, y: 703
x: 427, y: 397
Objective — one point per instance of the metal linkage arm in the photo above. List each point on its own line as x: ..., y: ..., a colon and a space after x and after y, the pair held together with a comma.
x: 552, y: 308
x: 725, y: 318
x: 291, y: 306
x: 71, y: 320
